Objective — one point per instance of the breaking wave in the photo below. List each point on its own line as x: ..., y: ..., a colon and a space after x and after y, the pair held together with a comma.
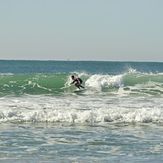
x: 85, y: 111
x: 37, y: 84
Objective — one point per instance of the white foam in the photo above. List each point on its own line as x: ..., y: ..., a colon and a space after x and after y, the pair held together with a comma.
x: 132, y: 70
x: 99, y: 82
x: 6, y: 74
x: 80, y: 110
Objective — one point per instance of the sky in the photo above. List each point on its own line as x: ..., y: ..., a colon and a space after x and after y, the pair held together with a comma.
x: 117, y: 30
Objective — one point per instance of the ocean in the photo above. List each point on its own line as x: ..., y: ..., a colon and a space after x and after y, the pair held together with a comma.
x: 117, y: 118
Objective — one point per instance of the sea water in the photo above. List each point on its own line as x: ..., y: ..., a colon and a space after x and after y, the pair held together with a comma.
x: 117, y: 118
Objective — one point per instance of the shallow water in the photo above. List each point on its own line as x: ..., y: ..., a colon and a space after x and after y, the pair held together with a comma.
x: 79, y: 129
x: 40, y: 142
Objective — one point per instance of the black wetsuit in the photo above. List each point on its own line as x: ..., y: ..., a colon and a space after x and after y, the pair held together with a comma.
x: 78, y: 83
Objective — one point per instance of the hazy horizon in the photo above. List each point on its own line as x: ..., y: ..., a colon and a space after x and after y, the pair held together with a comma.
x: 84, y: 60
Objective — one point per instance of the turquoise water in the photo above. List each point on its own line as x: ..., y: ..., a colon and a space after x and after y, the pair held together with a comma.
x: 117, y: 118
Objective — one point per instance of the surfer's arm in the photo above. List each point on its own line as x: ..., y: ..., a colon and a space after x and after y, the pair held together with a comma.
x: 72, y: 82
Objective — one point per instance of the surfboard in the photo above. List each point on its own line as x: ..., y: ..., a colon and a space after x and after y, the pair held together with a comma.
x: 79, y: 90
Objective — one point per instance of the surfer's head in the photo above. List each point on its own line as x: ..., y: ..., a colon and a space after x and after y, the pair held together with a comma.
x: 72, y: 76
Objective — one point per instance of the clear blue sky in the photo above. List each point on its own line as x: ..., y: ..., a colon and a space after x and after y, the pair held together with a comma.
x: 81, y: 29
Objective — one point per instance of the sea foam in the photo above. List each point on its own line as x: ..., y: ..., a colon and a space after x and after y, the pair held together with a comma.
x: 80, y: 110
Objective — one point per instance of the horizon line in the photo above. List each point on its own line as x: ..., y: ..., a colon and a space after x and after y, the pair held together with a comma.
x: 69, y: 60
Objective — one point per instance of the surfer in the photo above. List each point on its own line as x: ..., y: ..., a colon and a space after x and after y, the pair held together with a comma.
x: 77, y: 81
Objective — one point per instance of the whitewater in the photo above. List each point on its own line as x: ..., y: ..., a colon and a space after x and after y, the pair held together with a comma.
x: 118, y: 117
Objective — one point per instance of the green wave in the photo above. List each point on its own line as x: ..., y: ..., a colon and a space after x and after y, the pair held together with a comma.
x: 140, y: 78
x: 37, y: 84
x: 32, y: 83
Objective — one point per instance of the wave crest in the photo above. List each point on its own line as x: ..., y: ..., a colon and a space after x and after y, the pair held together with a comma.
x: 35, y: 84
